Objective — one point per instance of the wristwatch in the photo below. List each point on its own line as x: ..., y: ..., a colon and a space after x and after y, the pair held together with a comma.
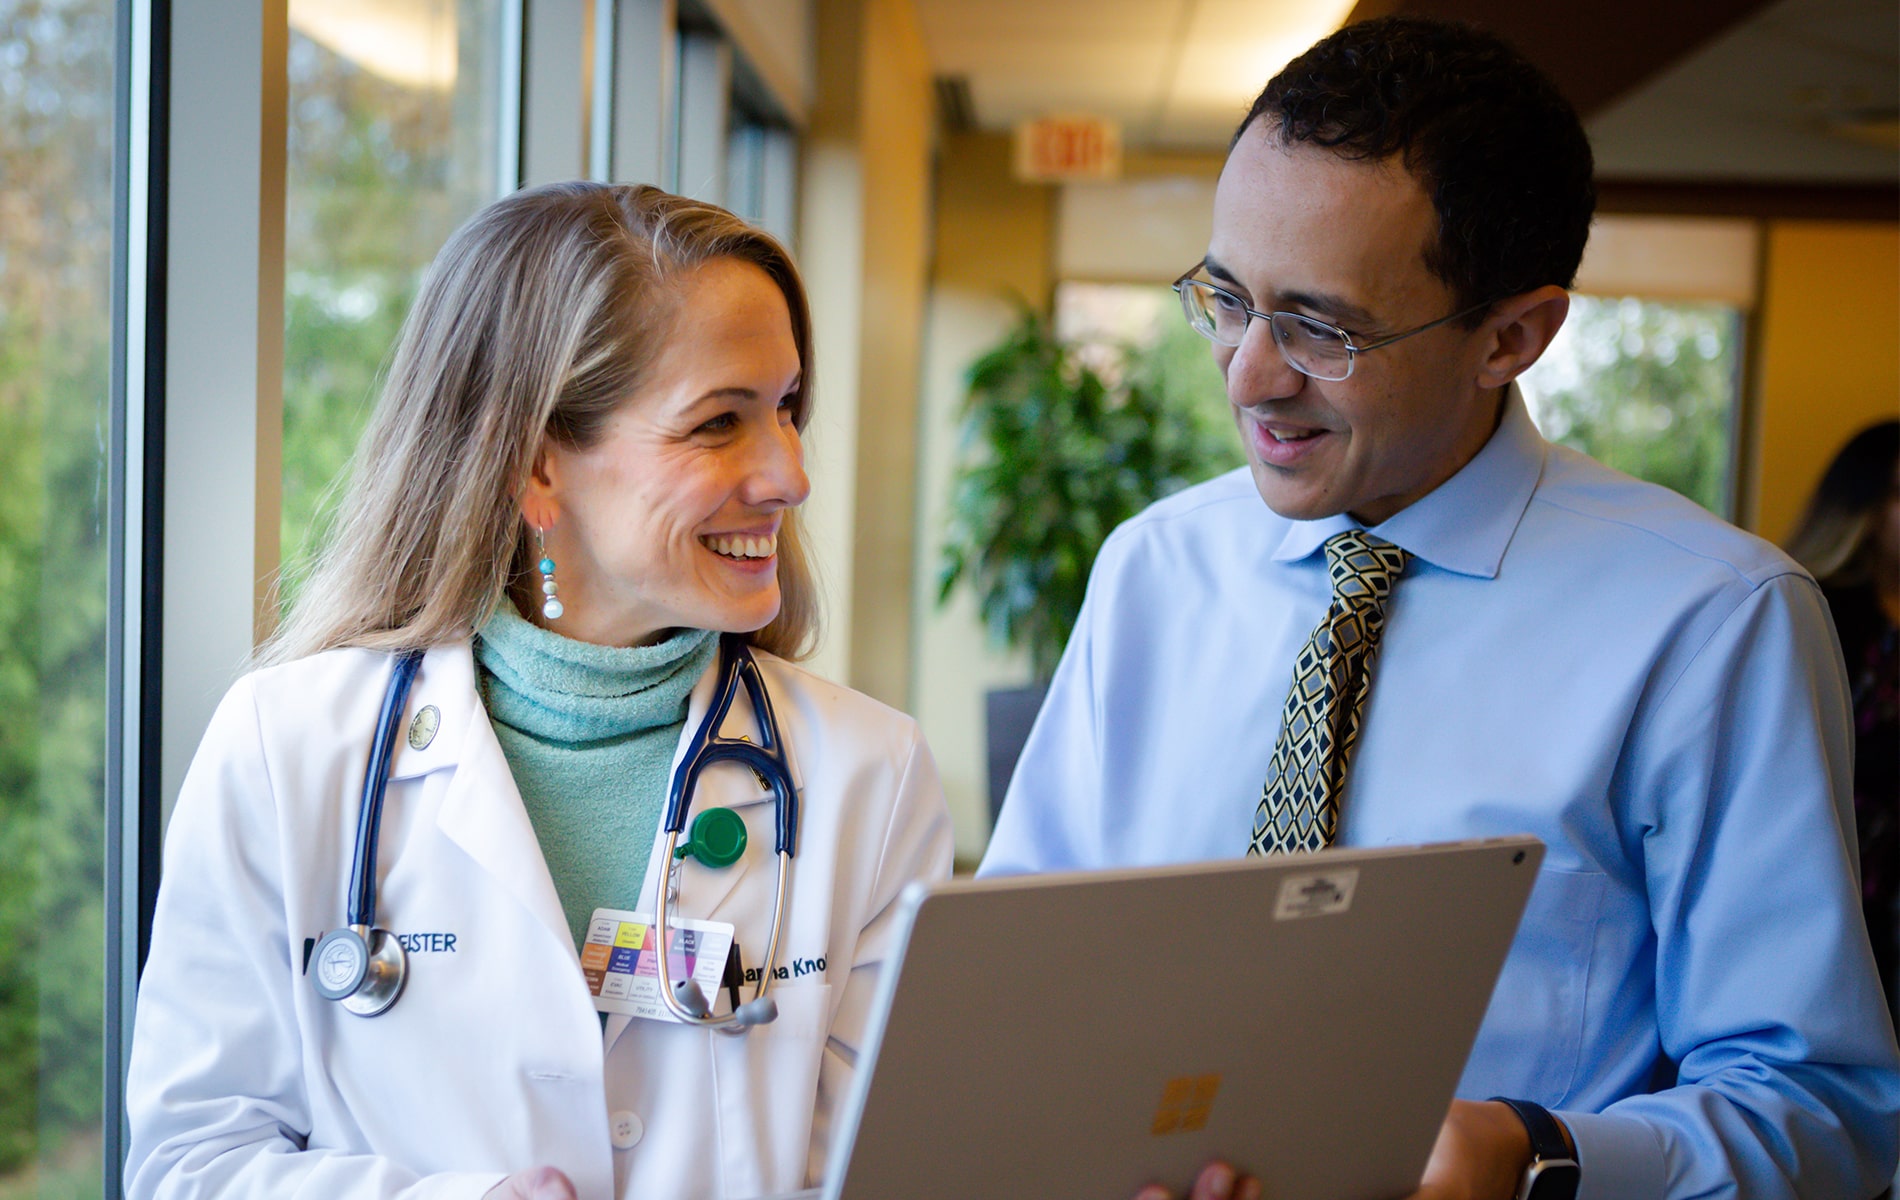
x: 1553, y: 1173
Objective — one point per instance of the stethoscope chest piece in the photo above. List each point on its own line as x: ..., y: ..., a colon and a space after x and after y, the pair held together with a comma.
x: 362, y: 968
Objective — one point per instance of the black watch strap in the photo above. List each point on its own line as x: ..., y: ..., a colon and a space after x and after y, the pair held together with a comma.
x: 1547, y: 1137
x: 1548, y: 1143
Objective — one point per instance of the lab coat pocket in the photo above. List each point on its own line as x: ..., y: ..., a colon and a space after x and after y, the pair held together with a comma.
x: 1532, y: 1034
x: 767, y: 1083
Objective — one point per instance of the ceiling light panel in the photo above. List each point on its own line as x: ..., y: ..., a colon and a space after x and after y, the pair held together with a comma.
x: 1231, y: 49
x: 1030, y: 58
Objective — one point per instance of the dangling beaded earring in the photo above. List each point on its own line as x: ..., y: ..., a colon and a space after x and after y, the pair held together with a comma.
x: 551, y: 608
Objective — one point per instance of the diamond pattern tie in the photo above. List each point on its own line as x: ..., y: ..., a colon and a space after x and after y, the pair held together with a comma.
x: 1299, y: 806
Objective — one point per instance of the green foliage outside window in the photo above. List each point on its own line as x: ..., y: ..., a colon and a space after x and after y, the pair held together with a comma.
x: 55, y: 249
x: 1647, y: 387
x: 52, y: 740
x: 378, y: 175
x: 334, y: 348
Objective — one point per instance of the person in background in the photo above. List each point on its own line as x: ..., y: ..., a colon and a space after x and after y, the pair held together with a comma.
x: 1412, y: 619
x: 578, y: 495
x: 1849, y: 539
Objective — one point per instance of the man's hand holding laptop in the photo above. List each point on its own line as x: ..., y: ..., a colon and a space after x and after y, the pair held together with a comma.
x: 1481, y: 1154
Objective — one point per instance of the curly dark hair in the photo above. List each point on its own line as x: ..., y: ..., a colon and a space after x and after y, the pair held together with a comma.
x: 1499, y: 150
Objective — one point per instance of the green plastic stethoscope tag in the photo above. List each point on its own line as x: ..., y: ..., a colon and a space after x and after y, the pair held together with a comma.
x: 715, y: 839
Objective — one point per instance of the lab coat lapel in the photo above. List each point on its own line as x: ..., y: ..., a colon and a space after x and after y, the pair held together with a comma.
x: 482, y: 811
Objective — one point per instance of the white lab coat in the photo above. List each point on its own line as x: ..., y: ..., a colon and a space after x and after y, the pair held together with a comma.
x: 245, y: 1083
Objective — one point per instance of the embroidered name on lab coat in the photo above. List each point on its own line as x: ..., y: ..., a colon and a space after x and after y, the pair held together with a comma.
x: 797, y: 968
x: 415, y: 943
x: 427, y: 943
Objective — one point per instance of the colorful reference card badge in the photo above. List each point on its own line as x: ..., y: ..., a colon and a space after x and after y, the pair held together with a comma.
x: 621, y: 960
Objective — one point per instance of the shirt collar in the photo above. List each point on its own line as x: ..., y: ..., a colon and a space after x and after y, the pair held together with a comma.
x: 1466, y: 523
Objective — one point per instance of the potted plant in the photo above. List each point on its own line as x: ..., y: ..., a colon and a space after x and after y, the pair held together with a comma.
x: 1061, y: 442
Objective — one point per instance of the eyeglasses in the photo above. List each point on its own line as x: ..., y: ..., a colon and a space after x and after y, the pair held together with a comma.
x: 1310, y: 346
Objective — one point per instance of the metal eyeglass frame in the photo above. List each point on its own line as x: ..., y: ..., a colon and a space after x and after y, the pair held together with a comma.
x: 1353, y: 350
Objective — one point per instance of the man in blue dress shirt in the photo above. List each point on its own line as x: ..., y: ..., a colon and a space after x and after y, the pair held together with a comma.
x: 1566, y: 652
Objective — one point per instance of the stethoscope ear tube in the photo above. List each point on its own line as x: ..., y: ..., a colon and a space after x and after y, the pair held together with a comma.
x: 767, y: 758
x: 369, y: 822
x: 770, y: 761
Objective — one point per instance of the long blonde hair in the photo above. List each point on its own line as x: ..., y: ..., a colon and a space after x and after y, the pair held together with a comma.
x: 539, y: 317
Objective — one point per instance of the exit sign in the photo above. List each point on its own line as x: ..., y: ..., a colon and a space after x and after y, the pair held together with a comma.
x: 1057, y: 148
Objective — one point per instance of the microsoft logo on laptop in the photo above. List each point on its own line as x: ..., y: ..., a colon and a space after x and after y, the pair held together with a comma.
x: 1185, y: 1103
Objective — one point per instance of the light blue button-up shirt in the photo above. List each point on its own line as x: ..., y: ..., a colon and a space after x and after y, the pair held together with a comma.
x: 1571, y: 654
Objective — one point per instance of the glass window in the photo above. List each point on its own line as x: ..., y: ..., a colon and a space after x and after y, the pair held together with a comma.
x: 745, y: 170
x: 56, y: 103
x: 1648, y: 387
x: 394, y: 137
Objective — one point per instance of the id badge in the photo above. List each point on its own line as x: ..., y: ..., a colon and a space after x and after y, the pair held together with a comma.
x: 621, y: 960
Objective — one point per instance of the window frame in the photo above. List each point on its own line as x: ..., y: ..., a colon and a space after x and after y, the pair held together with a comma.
x: 198, y: 251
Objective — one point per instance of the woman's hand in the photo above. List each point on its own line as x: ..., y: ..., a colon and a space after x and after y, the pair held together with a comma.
x: 535, y: 1183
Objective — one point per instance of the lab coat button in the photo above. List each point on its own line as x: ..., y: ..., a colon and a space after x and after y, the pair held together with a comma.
x: 626, y: 1130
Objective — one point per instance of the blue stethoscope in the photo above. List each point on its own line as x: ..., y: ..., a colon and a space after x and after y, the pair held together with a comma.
x: 364, y: 967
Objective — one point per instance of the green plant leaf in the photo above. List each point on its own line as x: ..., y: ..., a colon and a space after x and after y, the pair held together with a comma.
x: 1061, y: 442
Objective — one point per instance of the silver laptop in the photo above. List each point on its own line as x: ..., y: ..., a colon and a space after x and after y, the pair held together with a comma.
x: 1080, y: 1035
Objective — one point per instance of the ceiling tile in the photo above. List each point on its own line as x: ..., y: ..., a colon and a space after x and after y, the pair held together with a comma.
x: 1763, y: 101
x: 1003, y: 102
x: 1050, y: 19
x: 1755, y: 102
x: 1123, y: 61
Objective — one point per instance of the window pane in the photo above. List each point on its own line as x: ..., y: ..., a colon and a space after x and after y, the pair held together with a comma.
x: 1647, y: 387
x: 56, y: 78
x: 393, y: 141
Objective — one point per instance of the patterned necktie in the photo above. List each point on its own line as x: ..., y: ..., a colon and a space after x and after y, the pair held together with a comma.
x: 1299, y: 806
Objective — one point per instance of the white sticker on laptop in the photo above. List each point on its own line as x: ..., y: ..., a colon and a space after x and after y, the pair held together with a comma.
x: 1316, y: 894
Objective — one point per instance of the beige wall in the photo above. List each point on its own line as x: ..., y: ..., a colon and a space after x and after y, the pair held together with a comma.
x: 993, y: 251
x: 994, y: 235
x: 831, y: 257
x: 1133, y: 230
x: 863, y: 246
x: 1674, y: 258
x: 1829, y: 354
x: 896, y: 123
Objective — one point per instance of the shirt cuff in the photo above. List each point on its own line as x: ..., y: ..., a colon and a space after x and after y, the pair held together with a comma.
x: 1620, y: 1157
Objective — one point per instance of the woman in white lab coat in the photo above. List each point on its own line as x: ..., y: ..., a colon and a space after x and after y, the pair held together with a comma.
x: 584, y: 466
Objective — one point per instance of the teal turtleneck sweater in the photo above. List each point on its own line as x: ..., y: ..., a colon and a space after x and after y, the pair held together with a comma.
x: 589, y: 733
